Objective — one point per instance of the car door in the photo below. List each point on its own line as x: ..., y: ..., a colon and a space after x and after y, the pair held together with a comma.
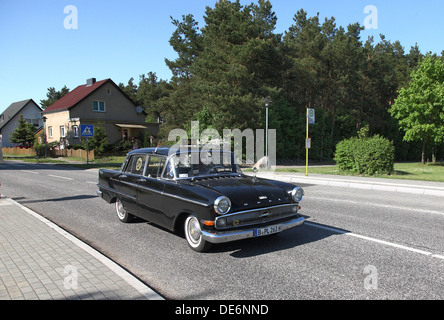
x: 150, y: 189
x: 128, y: 180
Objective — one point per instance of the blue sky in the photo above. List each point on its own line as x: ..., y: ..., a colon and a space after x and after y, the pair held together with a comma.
x: 124, y: 39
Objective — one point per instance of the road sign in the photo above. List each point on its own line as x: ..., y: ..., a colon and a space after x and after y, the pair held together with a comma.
x: 86, y: 130
x: 308, y: 143
x: 311, y: 116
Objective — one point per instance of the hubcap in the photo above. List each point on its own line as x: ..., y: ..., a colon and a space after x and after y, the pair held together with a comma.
x: 194, y: 230
x: 120, y: 210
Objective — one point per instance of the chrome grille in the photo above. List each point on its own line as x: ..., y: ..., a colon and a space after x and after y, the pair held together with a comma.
x: 255, y: 216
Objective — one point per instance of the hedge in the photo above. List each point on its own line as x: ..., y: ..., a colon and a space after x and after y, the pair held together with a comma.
x: 375, y: 155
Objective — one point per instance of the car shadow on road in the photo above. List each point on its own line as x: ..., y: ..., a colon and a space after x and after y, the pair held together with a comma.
x: 288, y: 239
x: 78, y: 197
x: 251, y: 247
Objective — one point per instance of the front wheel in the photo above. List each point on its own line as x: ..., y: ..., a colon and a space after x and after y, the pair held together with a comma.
x: 193, y: 235
x: 122, y: 214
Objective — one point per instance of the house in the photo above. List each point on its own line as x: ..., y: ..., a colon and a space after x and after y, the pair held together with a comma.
x: 9, y: 119
x: 90, y: 103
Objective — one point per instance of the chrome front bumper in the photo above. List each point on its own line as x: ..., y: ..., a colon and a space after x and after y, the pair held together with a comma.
x: 227, y: 236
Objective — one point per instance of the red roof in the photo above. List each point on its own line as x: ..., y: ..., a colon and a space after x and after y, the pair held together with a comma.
x: 75, y: 96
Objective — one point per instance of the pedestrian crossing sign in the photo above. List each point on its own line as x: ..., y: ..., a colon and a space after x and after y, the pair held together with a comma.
x: 86, y: 130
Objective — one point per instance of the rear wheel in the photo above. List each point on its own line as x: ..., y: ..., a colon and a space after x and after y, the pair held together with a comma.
x: 193, y: 235
x: 122, y: 214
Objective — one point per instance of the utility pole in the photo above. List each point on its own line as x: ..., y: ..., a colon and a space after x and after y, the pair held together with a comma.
x: 1, y: 149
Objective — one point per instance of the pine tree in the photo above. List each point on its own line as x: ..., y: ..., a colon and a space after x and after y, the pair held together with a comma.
x: 53, y: 96
x: 24, y: 133
x: 239, y: 65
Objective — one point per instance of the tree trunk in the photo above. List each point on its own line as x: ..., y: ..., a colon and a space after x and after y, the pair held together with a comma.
x: 424, y: 144
x: 434, y: 154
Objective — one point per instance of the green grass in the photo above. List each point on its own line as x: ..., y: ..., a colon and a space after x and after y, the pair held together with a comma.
x: 114, y: 162
x: 418, y: 171
x: 33, y: 159
x: 408, y: 171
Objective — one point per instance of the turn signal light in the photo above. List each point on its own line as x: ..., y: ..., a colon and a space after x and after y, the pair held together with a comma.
x: 208, y: 223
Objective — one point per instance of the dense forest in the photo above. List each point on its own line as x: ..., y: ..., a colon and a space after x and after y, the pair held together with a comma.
x: 225, y: 68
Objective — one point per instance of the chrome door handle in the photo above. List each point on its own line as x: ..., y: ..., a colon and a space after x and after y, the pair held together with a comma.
x: 141, y: 180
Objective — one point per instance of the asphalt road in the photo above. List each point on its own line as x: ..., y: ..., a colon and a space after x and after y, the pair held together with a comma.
x: 356, y: 244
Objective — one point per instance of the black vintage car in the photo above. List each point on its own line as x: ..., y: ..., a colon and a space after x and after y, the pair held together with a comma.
x: 203, y: 193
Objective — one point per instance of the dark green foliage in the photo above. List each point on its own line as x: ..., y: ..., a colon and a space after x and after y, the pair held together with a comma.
x: 99, y: 142
x: 364, y: 155
x: 24, y: 133
x: 225, y: 68
x: 53, y: 96
x: 420, y: 104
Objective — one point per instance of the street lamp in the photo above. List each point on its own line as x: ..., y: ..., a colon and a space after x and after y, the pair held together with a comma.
x: 267, y: 102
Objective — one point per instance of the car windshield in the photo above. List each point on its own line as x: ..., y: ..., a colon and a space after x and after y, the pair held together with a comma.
x: 201, y: 164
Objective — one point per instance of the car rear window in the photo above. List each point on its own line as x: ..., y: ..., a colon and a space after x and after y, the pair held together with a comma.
x: 136, y: 164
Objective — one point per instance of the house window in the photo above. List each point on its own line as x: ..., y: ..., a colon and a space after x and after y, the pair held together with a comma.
x: 99, y: 106
x: 75, y: 131
x: 50, y: 132
x: 108, y: 92
x: 62, y: 131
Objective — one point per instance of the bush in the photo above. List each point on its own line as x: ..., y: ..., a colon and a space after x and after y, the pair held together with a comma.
x: 76, y: 146
x: 365, y: 155
x: 99, y: 142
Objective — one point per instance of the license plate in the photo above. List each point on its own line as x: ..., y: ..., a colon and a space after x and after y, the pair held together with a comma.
x: 267, y: 230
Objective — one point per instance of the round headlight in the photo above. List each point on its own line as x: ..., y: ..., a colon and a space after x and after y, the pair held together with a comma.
x: 297, y: 194
x: 222, y: 205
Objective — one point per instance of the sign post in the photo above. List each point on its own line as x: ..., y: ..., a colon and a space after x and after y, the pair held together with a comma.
x: 310, y: 120
x: 87, y: 131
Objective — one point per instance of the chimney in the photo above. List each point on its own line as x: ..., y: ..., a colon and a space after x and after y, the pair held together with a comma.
x: 90, y: 82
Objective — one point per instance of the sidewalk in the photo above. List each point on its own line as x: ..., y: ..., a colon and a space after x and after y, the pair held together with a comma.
x: 40, y: 261
x: 381, y: 184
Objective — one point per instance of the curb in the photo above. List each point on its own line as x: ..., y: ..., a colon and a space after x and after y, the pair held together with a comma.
x: 138, y: 285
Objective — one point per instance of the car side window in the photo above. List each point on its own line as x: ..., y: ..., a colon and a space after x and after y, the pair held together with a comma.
x: 136, y: 164
x: 170, y: 169
x: 155, y: 166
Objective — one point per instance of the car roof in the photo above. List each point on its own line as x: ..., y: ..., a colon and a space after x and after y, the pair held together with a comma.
x: 158, y: 150
x: 165, y: 150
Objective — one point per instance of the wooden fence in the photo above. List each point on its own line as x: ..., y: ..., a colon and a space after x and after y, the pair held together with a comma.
x: 30, y: 152
x: 18, y: 152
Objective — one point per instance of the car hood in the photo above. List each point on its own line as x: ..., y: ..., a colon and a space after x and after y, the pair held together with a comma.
x: 247, y: 192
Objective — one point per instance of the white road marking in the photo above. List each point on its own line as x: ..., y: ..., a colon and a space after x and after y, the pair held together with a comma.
x: 387, y: 243
x: 60, y: 177
x: 28, y: 171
